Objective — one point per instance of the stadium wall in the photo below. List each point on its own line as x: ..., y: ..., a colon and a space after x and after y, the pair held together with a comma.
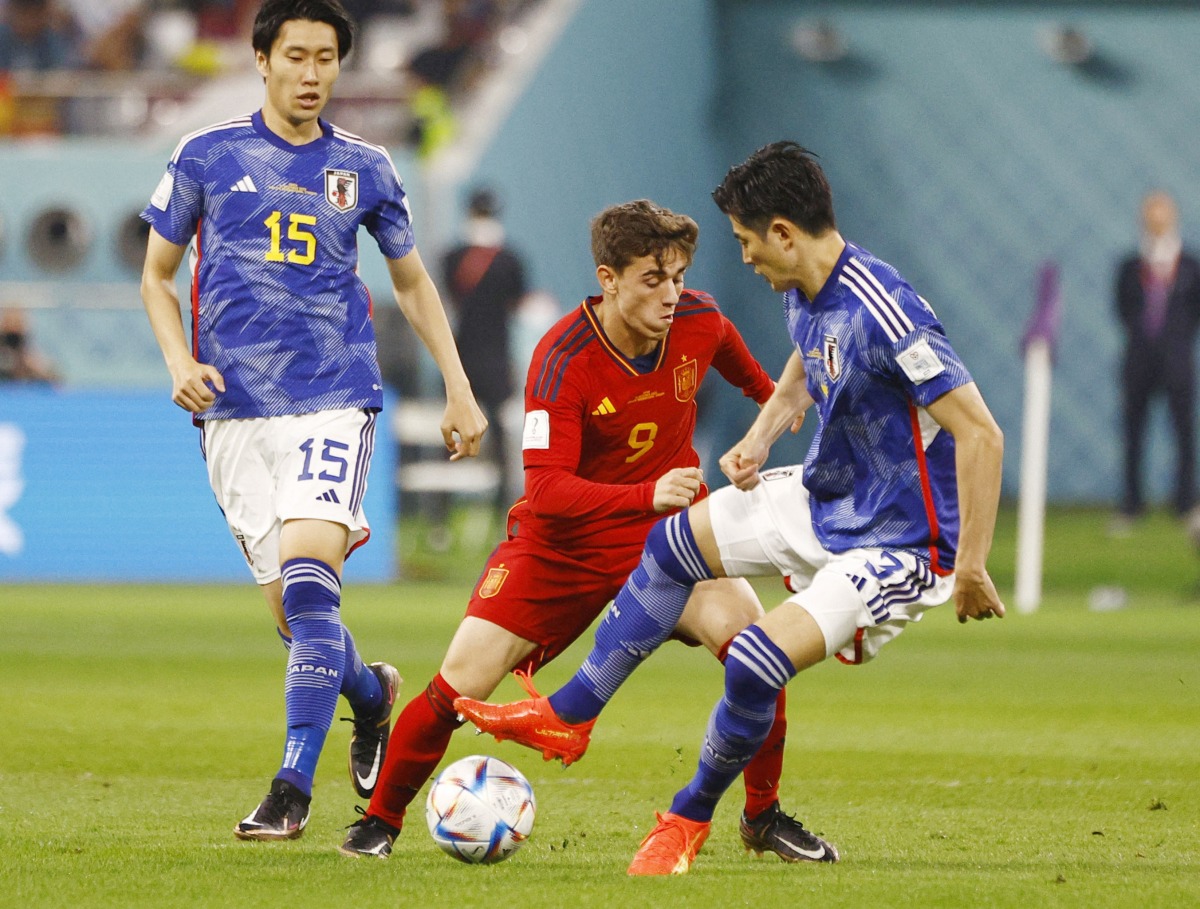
x: 956, y: 147
x: 111, y: 486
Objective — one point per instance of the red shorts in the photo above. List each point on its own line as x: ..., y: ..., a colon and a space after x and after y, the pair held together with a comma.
x: 545, y: 596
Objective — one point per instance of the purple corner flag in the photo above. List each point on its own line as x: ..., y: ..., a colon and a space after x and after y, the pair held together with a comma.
x: 1044, y: 320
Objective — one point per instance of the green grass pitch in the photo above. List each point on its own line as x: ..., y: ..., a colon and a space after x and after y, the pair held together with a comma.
x: 1043, y: 760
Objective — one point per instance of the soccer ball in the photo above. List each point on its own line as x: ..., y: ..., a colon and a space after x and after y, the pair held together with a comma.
x: 480, y: 810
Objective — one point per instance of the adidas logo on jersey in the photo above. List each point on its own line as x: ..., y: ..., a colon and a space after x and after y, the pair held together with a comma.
x: 605, y: 408
x: 244, y: 185
x: 330, y: 496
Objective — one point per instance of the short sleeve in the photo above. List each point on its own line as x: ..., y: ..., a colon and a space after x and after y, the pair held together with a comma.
x: 390, y: 220
x: 178, y: 200
x: 922, y: 362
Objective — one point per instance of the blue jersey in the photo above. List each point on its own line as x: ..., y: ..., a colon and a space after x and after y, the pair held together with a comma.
x: 277, y: 304
x: 880, y: 470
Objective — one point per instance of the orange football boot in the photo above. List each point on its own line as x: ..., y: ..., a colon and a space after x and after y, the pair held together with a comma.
x: 671, y: 847
x: 532, y: 723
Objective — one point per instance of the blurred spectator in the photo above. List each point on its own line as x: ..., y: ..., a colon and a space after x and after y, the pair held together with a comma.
x: 111, y: 36
x: 484, y: 281
x: 450, y: 62
x: 19, y: 362
x: 34, y: 36
x: 1158, y: 304
x: 363, y: 11
x: 431, y: 119
x: 223, y: 20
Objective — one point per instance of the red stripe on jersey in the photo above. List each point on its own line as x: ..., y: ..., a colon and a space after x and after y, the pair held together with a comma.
x: 926, y: 492
x: 555, y: 364
x: 196, y: 421
x: 196, y: 295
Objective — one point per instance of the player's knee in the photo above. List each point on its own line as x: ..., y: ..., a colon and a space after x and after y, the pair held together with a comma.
x: 673, y: 548
x: 719, y: 610
x: 756, y: 668
x: 474, y: 676
x: 740, y: 605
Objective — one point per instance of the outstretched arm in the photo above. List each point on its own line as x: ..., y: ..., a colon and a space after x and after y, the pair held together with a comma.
x: 192, y: 383
x: 783, y: 410
x: 738, y: 367
x: 556, y: 492
x: 978, y: 454
x: 421, y: 305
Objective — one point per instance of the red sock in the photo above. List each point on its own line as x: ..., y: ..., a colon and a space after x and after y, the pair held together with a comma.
x: 418, y: 742
x: 765, y: 768
x: 762, y: 774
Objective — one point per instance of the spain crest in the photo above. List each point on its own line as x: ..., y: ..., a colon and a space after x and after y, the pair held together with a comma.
x: 492, y: 582
x: 832, y: 357
x: 686, y: 378
x: 341, y: 188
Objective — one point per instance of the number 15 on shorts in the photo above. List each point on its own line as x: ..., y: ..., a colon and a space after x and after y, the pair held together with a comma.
x: 334, y: 465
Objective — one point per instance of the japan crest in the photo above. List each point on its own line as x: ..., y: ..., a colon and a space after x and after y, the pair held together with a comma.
x: 686, y: 375
x: 832, y: 357
x: 341, y: 188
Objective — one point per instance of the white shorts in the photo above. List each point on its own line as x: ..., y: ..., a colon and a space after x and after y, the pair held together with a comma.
x: 861, y: 599
x: 267, y: 470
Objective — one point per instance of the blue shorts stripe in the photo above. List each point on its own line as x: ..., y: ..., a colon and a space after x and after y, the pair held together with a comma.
x: 362, y: 466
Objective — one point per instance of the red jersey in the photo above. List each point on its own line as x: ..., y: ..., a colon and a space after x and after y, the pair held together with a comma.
x: 600, y: 429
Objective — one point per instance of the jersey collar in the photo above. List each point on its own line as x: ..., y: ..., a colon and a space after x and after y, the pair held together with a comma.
x: 278, y: 141
x: 621, y: 360
x: 828, y: 290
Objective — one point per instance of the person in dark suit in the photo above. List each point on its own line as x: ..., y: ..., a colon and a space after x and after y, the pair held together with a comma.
x: 1158, y: 304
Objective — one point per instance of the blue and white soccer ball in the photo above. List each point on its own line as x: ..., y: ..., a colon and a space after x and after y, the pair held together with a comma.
x: 480, y: 810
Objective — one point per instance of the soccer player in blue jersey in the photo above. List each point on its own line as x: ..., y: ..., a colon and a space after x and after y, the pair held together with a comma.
x: 891, y: 514
x: 282, y: 375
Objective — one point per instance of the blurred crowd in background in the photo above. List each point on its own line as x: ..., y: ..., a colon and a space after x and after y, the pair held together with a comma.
x: 146, y: 59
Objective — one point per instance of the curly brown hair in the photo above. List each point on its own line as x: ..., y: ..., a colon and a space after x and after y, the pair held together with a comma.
x: 622, y: 233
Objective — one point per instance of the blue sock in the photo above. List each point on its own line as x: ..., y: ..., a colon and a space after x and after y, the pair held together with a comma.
x: 642, y: 616
x: 316, y: 664
x: 755, y: 671
x: 359, y: 684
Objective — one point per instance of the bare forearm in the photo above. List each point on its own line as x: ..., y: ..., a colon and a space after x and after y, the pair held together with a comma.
x: 423, y: 309
x: 979, y: 455
x: 162, y: 309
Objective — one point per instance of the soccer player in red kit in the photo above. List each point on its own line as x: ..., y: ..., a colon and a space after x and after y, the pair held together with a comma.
x: 609, y: 414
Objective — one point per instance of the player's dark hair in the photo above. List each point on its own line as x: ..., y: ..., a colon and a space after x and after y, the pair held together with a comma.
x: 780, y: 180
x: 622, y: 233
x: 274, y: 13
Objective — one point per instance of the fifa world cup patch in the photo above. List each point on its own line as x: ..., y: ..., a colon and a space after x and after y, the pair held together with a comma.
x: 920, y: 363
x: 341, y: 188
x: 162, y: 192
x: 537, y: 430
x: 492, y: 582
